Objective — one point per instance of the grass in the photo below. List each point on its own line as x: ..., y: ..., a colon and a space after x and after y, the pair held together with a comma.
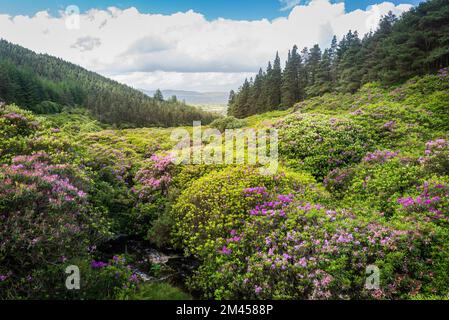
x: 160, y: 291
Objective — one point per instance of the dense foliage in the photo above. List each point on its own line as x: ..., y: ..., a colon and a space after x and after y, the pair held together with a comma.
x: 45, y: 84
x: 414, y: 44
x: 291, y: 249
x: 320, y: 144
x: 382, y: 156
x: 363, y: 182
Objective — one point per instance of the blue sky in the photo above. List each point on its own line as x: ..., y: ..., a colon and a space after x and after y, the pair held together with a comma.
x: 191, y: 50
x: 231, y: 9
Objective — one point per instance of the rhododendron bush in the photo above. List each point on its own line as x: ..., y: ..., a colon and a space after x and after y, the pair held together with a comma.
x: 431, y: 204
x: 214, y: 204
x: 44, y: 214
x: 436, y: 158
x: 291, y: 249
x: 319, y: 143
x: 380, y: 178
x: 362, y: 182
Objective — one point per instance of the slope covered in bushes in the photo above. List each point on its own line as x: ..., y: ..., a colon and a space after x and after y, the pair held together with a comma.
x: 362, y: 180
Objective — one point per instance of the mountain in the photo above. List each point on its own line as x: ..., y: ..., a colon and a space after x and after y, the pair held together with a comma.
x: 194, y: 97
x: 46, y: 84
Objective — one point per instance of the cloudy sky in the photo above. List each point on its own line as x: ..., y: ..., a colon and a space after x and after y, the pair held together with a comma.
x: 197, y: 45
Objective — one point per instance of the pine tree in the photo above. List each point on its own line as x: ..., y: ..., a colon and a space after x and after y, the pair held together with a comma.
x: 350, y: 64
x: 243, y: 101
x: 158, y: 96
x: 290, y: 79
x: 313, y: 64
x: 334, y: 60
x: 323, y: 79
x: 256, y: 92
x: 275, y: 79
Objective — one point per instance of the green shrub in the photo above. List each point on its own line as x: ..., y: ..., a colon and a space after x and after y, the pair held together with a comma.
x: 215, y: 204
x: 228, y: 123
x: 380, y: 179
x: 319, y: 143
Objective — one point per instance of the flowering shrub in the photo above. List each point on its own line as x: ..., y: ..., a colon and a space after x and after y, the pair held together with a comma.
x: 113, y: 279
x: 156, y: 175
x: 44, y: 215
x: 380, y: 156
x: 290, y: 249
x: 17, y: 123
x: 432, y: 202
x: 215, y: 204
x: 320, y: 144
x: 380, y: 179
x: 110, y: 164
x: 16, y: 128
x: 150, y: 192
x: 338, y: 180
x: 390, y: 125
x: 443, y: 74
x: 436, y: 159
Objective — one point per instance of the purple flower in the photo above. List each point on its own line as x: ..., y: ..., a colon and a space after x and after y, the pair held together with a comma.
x: 226, y: 250
x: 257, y: 289
x: 98, y: 264
x: 303, y: 262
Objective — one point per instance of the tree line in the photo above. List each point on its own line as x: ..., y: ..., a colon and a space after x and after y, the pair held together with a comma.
x: 45, y: 84
x: 417, y: 43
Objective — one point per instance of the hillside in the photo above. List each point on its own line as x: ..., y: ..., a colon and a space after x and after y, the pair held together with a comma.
x: 46, y: 84
x: 356, y: 206
x: 194, y: 97
x: 402, y: 47
x: 365, y: 173
x: 216, y: 102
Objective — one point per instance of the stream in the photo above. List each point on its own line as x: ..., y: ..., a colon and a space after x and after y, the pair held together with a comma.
x: 152, y: 264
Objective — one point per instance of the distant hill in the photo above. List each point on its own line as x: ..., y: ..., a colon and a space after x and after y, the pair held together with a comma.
x: 194, y: 97
x: 45, y: 84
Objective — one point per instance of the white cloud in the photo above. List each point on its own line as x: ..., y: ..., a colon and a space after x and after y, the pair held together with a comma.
x: 185, y: 50
x: 86, y: 43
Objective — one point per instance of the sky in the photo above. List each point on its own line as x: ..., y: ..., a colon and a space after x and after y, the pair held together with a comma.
x: 200, y: 45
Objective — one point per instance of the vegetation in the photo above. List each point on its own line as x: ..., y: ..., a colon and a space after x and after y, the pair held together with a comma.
x: 414, y: 44
x: 46, y: 84
x: 362, y: 181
